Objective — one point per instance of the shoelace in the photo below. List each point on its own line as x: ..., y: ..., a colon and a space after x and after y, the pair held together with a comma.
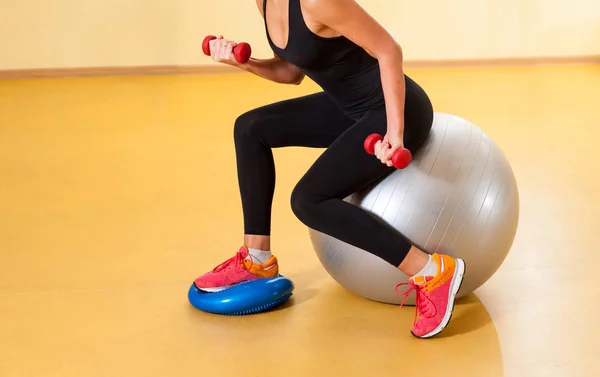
x: 236, y: 260
x: 422, y: 299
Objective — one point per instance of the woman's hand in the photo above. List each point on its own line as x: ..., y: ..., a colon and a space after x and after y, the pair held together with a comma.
x: 221, y: 50
x: 385, y: 149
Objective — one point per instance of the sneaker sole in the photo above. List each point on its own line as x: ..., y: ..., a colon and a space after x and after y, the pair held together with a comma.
x: 455, y: 285
x: 220, y: 289
x: 225, y: 287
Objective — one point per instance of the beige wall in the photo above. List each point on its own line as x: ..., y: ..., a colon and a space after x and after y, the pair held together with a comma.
x: 70, y: 33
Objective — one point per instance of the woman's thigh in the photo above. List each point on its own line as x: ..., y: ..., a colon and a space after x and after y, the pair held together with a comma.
x: 310, y: 121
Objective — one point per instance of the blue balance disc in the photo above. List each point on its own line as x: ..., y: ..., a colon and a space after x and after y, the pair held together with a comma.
x: 245, y: 298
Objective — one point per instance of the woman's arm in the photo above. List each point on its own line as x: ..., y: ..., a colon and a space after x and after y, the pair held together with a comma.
x: 351, y: 20
x: 274, y: 69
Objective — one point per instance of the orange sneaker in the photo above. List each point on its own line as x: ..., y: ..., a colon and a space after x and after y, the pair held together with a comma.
x: 435, y: 295
x: 236, y: 270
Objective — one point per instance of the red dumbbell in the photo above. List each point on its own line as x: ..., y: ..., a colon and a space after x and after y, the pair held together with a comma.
x: 241, y: 51
x: 401, y: 158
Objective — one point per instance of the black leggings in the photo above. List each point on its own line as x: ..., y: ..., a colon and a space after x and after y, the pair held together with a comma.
x: 316, y: 121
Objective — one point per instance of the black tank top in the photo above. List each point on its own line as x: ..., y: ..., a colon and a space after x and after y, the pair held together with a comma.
x: 340, y: 67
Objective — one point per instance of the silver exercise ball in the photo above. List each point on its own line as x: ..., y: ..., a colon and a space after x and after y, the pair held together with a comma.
x: 457, y: 197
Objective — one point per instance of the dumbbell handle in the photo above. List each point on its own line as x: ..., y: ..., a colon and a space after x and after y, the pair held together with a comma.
x: 401, y: 158
x: 241, y: 51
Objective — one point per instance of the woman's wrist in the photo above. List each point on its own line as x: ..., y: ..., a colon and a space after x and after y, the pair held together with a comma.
x: 395, y: 125
x: 245, y: 66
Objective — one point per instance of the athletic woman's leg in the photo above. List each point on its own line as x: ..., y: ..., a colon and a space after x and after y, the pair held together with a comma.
x: 311, y: 121
x: 346, y: 168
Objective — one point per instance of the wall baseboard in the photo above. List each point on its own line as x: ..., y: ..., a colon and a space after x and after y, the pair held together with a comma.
x: 155, y: 70
x: 504, y: 62
x: 223, y: 69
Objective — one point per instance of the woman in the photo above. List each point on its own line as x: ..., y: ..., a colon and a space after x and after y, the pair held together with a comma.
x: 359, y: 66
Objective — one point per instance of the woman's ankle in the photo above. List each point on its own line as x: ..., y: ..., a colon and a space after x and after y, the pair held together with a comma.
x: 258, y: 242
x: 415, y: 261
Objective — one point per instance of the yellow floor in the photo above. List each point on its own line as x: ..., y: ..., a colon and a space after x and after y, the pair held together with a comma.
x: 116, y: 192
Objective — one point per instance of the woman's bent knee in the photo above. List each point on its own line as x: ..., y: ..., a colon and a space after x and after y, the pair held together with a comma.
x: 304, y: 205
x: 248, y: 126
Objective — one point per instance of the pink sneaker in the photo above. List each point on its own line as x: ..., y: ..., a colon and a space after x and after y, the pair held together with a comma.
x: 435, y: 296
x: 235, y: 270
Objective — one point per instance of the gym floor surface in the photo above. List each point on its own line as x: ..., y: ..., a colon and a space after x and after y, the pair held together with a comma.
x: 115, y: 193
